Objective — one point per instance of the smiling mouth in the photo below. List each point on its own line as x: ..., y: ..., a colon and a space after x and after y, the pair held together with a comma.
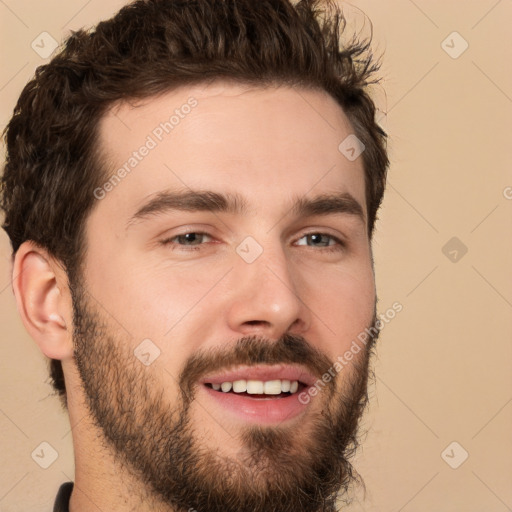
x: 257, y: 389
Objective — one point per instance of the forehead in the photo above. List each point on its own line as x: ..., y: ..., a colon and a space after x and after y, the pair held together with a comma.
x: 264, y: 144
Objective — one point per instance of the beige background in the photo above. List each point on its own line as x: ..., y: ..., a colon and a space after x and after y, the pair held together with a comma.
x: 444, y: 363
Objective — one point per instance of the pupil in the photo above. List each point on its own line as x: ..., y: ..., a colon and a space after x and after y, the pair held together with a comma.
x: 191, y: 237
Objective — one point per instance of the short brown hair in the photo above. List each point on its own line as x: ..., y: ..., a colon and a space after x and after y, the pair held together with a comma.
x: 149, y: 47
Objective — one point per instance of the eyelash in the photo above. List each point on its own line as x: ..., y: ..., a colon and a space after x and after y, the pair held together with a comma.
x: 338, y: 246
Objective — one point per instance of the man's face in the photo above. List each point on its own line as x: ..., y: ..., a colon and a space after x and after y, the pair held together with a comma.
x: 250, y: 281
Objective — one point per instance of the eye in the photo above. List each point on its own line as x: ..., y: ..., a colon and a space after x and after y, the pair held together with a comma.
x: 190, y: 239
x: 322, y: 240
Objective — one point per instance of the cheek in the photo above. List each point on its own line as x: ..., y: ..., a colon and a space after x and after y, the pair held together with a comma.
x: 345, y: 303
x: 163, y: 302
x: 145, y: 294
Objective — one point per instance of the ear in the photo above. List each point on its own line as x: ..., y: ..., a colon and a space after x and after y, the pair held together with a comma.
x: 43, y: 299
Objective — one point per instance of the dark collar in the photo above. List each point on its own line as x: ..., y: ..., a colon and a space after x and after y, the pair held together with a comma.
x: 62, y: 500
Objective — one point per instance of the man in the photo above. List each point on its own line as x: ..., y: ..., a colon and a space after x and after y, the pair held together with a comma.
x: 190, y: 191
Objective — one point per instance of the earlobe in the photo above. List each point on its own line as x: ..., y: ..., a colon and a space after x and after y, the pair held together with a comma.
x: 42, y: 296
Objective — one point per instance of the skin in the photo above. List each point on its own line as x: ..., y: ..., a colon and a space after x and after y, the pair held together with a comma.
x: 267, y: 145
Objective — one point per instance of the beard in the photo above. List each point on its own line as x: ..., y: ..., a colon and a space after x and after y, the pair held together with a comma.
x: 279, y: 468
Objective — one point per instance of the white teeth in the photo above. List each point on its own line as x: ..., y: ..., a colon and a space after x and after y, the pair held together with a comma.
x: 272, y: 387
x: 240, y: 386
x: 255, y: 387
x: 226, y: 386
x: 258, y: 387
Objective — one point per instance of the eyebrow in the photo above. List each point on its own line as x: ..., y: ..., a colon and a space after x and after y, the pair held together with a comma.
x: 206, y: 200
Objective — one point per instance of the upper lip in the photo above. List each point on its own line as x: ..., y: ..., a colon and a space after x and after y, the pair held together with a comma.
x: 262, y: 372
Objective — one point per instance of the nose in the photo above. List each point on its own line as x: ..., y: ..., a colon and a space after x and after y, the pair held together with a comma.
x: 265, y: 299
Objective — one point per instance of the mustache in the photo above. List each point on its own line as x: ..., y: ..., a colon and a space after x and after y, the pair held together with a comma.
x: 253, y: 350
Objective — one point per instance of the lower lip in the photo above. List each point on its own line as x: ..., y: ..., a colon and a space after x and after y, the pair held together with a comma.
x: 258, y: 410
